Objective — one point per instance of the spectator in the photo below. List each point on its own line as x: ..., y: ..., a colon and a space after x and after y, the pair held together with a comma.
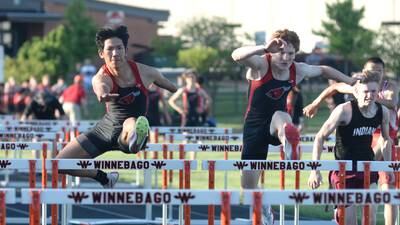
x: 43, y: 107
x: 74, y: 99
x: 58, y: 88
x: 88, y: 70
x: 45, y: 84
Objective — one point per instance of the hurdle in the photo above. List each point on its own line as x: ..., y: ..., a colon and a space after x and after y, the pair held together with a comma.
x: 211, y: 197
x: 91, y: 164
x: 191, y: 130
x: 264, y: 165
x: 7, y: 196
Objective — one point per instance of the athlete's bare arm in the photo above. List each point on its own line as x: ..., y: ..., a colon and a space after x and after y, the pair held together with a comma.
x: 390, y: 95
x: 387, y: 142
x: 250, y: 56
x: 341, y: 115
x: 304, y: 70
x: 172, y: 101
x: 311, y: 109
x: 254, y: 57
x: 207, y: 98
x: 151, y: 75
x: 102, y: 86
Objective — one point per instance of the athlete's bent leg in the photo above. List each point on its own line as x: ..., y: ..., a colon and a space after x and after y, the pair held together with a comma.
x: 283, y: 128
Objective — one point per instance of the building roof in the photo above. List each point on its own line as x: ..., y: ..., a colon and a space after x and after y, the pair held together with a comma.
x: 151, y: 14
x: 32, y: 17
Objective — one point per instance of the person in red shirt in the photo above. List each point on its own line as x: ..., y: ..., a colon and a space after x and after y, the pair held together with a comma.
x: 74, y: 99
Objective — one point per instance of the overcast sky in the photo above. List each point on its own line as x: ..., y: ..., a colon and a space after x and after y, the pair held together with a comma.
x: 267, y: 15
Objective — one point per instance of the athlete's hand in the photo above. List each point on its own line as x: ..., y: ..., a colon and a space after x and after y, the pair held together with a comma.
x: 275, y: 45
x: 108, y: 97
x: 315, y: 179
x: 310, y: 110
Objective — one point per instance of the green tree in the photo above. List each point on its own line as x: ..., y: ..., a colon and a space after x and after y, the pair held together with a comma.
x: 166, y: 50
x: 40, y: 56
x: 218, y: 34
x: 57, y: 52
x: 81, y: 31
x: 388, y: 47
x: 201, y: 58
x: 346, y: 36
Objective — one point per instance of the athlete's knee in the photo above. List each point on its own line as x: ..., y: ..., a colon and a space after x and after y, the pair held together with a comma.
x: 281, y: 117
x: 129, y: 122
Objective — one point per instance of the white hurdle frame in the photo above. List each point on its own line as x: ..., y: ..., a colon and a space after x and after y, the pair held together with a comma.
x: 234, y: 165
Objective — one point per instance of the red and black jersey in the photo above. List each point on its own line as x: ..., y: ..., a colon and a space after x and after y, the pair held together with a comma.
x: 268, y: 95
x: 192, y: 100
x: 132, y: 101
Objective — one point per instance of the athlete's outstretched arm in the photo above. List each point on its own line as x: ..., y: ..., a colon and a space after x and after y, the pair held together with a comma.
x: 102, y: 85
x: 163, y: 82
x: 305, y: 70
x: 337, y: 117
x: 172, y: 101
x: 311, y: 109
x: 250, y: 56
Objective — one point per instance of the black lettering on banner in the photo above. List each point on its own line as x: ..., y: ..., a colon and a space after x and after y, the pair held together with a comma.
x: 331, y: 148
x: 84, y: 164
x: 299, y: 197
x: 314, y: 165
x: 8, y: 146
x: 189, y: 138
x: 211, y: 131
x: 397, y: 196
x: 234, y: 138
x: 78, y: 196
x: 240, y: 165
x: 184, y: 196
x: 307, y: 139
x: 130, y: 197
x: 203, y: 148
x: 121, y: 164
x: 353, y: 198
x: 4, y: 164
x: 394, y: 166
x: 22, y: 146
x: 172, y: 130
x: 158, y: 164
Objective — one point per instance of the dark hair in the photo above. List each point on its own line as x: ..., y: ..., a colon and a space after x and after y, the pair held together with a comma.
x: 370, y: 76
x: 289, y: 36
x: 103, y: 34
x: 376, y: 60
x: 189, y: 72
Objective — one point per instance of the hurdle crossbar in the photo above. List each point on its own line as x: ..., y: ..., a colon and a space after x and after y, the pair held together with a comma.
x: 191, y: 130
x: 155, y: 147
x: 276, y: 164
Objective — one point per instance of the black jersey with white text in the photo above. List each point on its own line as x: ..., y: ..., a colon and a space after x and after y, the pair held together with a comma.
x: 268, y: 95
x: 353, y: 141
